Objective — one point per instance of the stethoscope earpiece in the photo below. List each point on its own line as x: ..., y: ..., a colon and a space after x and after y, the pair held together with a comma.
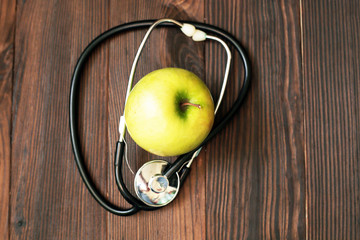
x: 157, y: 182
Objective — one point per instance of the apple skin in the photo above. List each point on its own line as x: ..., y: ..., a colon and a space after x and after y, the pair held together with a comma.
x: 156, y: 117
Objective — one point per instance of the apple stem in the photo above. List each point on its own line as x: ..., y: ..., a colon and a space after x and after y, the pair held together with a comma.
x: 190, y: 104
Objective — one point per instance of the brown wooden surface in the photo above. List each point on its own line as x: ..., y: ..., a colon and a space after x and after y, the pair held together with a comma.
x: 48, y: 199
x: 331, y: 66
x: 7, y: 26
x: 286, y: 167
x: 255, y: 170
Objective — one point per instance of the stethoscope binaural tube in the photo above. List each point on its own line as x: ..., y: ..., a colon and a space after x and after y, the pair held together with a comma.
x: 179, y: 163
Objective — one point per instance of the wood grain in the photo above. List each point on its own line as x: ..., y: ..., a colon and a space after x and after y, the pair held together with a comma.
x: 286, y: 167
x: 185, y: 217
x: 331, y: 60
x: 49, y: 200
x: 7, y: 26
x: 255, y: 186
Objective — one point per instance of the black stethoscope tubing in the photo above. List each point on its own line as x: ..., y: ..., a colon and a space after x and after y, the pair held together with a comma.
x: 181, y: 160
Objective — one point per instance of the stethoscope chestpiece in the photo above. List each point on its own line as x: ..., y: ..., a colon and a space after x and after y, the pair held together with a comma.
x: 152, y: 187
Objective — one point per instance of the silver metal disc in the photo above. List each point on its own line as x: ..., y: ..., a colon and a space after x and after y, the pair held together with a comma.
x: 152, y: 187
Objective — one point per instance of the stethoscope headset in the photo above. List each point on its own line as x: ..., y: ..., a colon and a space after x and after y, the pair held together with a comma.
x: 157, y: 182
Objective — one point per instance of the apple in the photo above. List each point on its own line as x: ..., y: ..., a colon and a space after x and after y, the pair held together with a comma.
x: 169, y: 112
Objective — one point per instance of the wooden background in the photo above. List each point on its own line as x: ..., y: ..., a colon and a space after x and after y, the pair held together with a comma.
x: 286, y: 167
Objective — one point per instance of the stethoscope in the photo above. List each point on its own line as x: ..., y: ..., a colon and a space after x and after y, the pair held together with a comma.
x: 157, y: 182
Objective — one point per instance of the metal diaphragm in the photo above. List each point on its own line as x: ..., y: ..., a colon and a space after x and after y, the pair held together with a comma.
x: 152, y: 187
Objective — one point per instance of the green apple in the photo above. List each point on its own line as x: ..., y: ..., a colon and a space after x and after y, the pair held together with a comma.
x: 169, y: 112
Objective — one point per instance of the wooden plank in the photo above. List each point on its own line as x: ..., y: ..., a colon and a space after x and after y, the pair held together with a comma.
x: 185, y: 217
x: 7, y: 26
x: 255, y: 186
x: 49, y: 200
x: 331, y: 60
x: 250, y: 182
